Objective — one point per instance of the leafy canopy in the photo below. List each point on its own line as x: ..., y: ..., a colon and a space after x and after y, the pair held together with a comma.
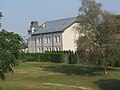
x: 97, y: 43
x: 10, y: 48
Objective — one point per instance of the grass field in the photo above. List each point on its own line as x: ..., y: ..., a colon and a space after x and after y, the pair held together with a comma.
x: 51, y: 76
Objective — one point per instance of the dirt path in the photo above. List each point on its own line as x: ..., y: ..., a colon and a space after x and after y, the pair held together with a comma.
x: 30, y: 85
x: 79, y: 87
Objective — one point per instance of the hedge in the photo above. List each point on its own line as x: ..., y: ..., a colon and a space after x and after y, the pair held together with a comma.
x: 43, y: 57
x: 57, y: 57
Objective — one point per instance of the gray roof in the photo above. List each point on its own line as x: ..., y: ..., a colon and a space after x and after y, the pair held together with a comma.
x: 55, y: 26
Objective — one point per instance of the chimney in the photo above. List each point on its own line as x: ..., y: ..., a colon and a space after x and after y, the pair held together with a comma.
x: 34, y: 24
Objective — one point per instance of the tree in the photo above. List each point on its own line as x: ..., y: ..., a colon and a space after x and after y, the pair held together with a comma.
x: 88, y: 19
x: 97, y: 31
x: 0, y: 18
x: 0, y: 15
x: 24, y: 44
x: 10, y: 44
x: 10, y: 48
x: 107, y: 40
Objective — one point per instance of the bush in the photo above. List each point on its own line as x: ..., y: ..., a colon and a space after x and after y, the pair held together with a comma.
x: 43, y: 57
x: 117, y: 64
x: 72, y: 58
x: 57, y: 57
x: 50, y: 56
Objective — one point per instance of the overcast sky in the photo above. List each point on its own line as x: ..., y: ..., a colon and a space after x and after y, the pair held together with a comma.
x: 19, y: 13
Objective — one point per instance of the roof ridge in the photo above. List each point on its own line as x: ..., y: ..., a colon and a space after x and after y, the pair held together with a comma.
x: 60, y: 19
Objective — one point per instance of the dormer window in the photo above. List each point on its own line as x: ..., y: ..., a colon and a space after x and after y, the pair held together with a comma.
x: 33, y: 29
x: 43, y: 25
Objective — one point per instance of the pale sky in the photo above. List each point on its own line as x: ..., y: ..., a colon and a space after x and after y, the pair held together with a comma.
x: 19, y: 13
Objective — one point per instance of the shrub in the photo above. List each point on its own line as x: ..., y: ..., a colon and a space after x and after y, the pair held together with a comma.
x: 72, y: 58
x: 51, y: 56
x: 43, y: 57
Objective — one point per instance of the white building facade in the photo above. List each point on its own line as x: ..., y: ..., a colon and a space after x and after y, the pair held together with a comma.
x: 55, y: 35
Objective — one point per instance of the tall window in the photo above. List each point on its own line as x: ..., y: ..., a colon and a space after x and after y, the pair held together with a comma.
x: 40, y: 49
x: 57, y: 39
x: 46, y: 49
x: 48, y: 39
x: 59, y: 49
x: 50, y: 49
x: 35, y: 41
x: 55, y: 48
x: 40, y: 39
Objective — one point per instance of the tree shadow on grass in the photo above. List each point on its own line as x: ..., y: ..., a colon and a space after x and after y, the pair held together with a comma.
x: 74, y: 69
x: 109, y: 84
x: 0, y: 87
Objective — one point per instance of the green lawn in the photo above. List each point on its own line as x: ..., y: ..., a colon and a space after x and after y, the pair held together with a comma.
x: 51, y: 76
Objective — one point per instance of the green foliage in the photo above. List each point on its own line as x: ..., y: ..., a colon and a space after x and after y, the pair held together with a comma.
x: 118, y: 23
x: 88, y: 19
x: 43, y: 57
x: 1, y: 15
x: 53, y: 56
x: 65, y: 51
x: 97, y: 42
x: 9, y: 51
x: 72, y: 58
x: 108, y: 41
x: 0, y: 18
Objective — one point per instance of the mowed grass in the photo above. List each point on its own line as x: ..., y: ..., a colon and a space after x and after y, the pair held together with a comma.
x: 52, y: 76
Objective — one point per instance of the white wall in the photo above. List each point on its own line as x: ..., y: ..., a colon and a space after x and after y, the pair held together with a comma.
x: 69, y: 37
x: 67, y: 42
x: 35, y: 47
